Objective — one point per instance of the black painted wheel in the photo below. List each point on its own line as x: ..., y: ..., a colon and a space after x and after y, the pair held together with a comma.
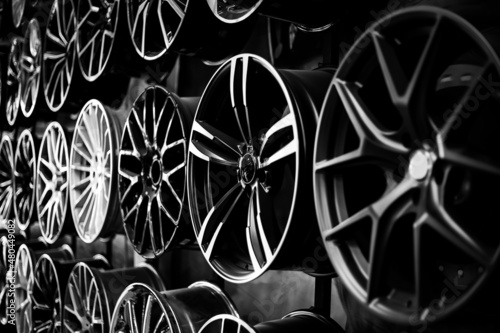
x: 6, y: 178
x: 406, y: 162
x: 152, y: 168
x: 13, y: 81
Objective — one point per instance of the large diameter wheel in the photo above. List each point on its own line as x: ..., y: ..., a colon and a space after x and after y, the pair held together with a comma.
x: 91, y: 295
x: 250, y: 149
x: 59, y: 53
x: 152, y: 168
x: 143, y: 309
x: 13, y: 81
x: 6, y: 179
x: 24, y: 180
x: 92, y: 175
x: 52, y: 183
x: 404, y: 171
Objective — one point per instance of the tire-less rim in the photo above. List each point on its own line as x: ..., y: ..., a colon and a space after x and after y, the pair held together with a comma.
x: 24, y: 281
x: 97, y: 23
x: 152, y: 171
x: 233, y: 11
x: 52, y: 182
x: 92, y: 162
x: 59, y: 53
x: 6, y: 178
x: 153, y: 25
x: 24, y: 181
x: 13, y: 84
x: 243, y: 169
x: 397, y: 119
x: 30, y: 67
x: 17, y: 12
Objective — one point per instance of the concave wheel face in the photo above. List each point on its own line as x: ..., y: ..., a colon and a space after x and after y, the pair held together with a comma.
x: 13, y: 84
x: 91, y: 167
x: 52, y: 182
x: 24, y: 179
x: 404, y: 169
x: 6, y: 178
x: 97, y: 23
x: 30, y: 67
x: 152, y: 171
x: 233, y: 11
x: 59, y: 53
x: 226, y: 324
x: 243, y: 168
x: 24, y: 281
x: 85, y: 304
x: 153, y: 25
x: 46, y: 297
x: 17, y: 12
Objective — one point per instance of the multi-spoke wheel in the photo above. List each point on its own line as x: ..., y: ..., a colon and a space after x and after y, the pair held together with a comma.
x: 12, y: 85
x: 52, y: 183
x: 248, y: 188
x: 406, y: 163
x: 92, y: 176
x: 59, y: 53
x: 297, y: 321
x: 6, y: 179
x: 30, y: 67
x: 91, y: 295
x: 152, y: 168
x: 143, y: 309
x: 24, y: 180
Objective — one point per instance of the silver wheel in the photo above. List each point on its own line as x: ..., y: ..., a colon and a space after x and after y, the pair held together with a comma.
x: 30, y: 66
x: 6, y: 179
x: 24, y: 180
x: 52, y: 182
x: 17, y: 7
x: 13, y: 81
x: 233, y: 11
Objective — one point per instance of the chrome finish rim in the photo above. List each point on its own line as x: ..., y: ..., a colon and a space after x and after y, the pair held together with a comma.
x: 258, y: 156
x: 402, y: 243
x: 152, y: 172
x: 6, y: 178
x: 30, y: 67
x: 13, y: 81
x: 97, y: 23
x: 59, y: 53
x: 233, y: 11
x: 24, y: 180
x: 153, y: 25
x: 52, y: 182
x: 92, y: 164
x: 17, y: 12
x: 24, y: 281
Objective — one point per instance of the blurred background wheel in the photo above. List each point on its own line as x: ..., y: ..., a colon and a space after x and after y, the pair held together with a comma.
x: 6, y: 179
x: 13, y: 81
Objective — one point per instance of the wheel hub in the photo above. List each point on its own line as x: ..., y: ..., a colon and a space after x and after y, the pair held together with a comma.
x: 420, y: 165
x: 155, y: 171
x: 248, y: 168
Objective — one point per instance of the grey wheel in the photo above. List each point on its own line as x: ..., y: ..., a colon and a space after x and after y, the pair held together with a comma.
x: 24, y: 180
x: 30, y: 67
x: 6, y: 179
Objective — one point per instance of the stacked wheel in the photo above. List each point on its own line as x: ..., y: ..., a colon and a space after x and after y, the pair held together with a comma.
x: 6, y: 179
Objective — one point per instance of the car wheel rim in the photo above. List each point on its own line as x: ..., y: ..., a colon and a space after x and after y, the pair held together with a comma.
x: 24, y: 281
x: 13, y: 81
x: 6, y: 176
x: 24, y: 181
x: 30, y: 67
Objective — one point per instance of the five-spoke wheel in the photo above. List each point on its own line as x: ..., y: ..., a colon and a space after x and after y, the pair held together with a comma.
x: 6, y: 179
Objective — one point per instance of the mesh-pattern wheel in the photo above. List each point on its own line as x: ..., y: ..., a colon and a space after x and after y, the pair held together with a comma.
x: 91, y: 295
x: 17, y: 7
x: 59, y: 52
x: 24, y: 180
x: 92, y: 175
x: 52, y: 183
x: 249, y: 149
x: 143, y: 309
x: 30, y: 67
x: 405, y: 172
x: 13, y: 84
x: 6, y: 178
x: 152, y: 168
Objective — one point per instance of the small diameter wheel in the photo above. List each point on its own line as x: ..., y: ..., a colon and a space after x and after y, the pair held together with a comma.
x: 24, y: 180
x: 52, y: 183
x: 6, y: 179
x: 247, y: 169
x: 92, y: 175
x: 59, y: 52
x: 91, y: 295
x: 13, y: 81
x: 152, y: 167
x: 143, y: 309
x: 405, y: 172
x: 30, y: 68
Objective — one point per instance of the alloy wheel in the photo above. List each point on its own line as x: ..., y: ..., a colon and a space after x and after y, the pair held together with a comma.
x: 13, y: 81
x: 6, y: 178
x: 24, y: 180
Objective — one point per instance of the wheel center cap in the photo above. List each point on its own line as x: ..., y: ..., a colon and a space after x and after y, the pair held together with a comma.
x: 248, y: 168
x: 420, y: 165
x: 155, y: 172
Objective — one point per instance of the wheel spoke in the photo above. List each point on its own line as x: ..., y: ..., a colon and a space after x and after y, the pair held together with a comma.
x: 238, y: 92
x: 224, y: 149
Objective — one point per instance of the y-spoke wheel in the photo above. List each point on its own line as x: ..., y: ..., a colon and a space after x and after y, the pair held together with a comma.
x: 233, y: 11
x: 91, y: 295
x: 13, y: 78
x: 52, y: 182
x: 30, y: 67
x: 142, y: 309
x: 17, y: 7
x: 92, y: 175
x: 152, y: 168
x: 247, y: 168
x: 24, y: 180
x: 97, y: 24
x: 406, y: 163
x: 6, y: 178
x: 59, y: 53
